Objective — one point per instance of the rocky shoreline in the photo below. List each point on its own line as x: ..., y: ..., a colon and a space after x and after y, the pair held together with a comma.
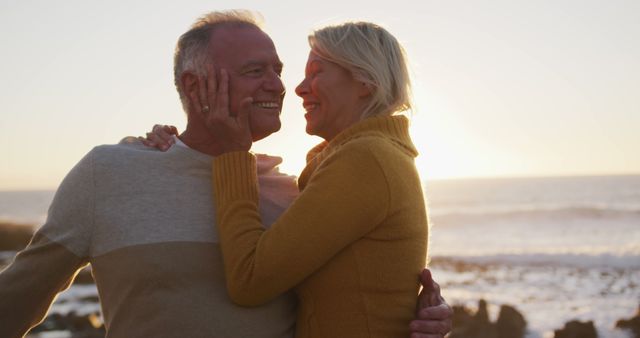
x: 453, y: 274
x: 512, y: 324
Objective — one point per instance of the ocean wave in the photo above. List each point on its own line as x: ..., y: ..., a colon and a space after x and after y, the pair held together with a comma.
x: 569, y: 211
x: 586, y: 261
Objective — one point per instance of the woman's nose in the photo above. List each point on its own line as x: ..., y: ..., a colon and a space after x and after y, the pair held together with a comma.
x: 302, y: 88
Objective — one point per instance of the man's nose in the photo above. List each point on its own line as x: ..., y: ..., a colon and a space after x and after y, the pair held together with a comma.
x: 274, y: 83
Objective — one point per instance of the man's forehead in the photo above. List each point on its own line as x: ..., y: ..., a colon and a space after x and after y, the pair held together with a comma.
x: 225, y: 37
x: 242, y: 44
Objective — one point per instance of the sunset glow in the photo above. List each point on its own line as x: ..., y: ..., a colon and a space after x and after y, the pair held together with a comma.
x: 502, y: 88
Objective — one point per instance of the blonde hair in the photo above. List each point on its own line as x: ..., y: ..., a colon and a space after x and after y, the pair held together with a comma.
x: 192, y: 49
x: 374, y: 57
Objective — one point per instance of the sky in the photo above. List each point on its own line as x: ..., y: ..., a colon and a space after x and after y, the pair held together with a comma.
x: 503, y: 88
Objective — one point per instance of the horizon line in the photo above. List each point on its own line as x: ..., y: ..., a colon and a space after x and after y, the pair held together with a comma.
x: 524, y: 176
x: 427, y: 179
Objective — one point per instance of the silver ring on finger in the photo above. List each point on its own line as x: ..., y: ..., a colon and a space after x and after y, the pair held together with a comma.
x: 205, y: 109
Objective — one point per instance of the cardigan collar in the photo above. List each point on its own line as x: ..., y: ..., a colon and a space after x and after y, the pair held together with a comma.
x: 395, y: 128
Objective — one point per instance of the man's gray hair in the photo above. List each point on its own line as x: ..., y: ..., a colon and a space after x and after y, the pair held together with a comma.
x: 192, y: 49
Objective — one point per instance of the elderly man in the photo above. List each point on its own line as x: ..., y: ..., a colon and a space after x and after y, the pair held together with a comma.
x: 144, y: 219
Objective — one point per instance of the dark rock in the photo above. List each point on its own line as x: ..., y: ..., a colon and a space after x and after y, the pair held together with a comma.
x: 467, y: 324
x: 511, y: 323
x: 632, y: 324
x: 86, y: 326
x: 53, y: 322
x: 461, y: 315
x: 577, y: 329
x: 14, y: 237
x: 461, y: 319
x: 482, y: 315
x: 84, y: 276
x: 90, y: 299
x: 481, y: 325
x: 78, y: 323
x: 478, y: 325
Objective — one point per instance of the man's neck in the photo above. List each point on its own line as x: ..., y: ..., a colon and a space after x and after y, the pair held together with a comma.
x: 200, y: 139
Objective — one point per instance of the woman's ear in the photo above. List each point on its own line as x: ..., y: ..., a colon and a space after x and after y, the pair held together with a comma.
x: 365, y: 89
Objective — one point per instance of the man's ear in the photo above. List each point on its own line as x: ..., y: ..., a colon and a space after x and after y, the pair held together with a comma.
x: 190, y: 89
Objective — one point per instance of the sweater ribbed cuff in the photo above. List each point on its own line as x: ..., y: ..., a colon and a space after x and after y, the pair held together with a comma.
x: 234, y: 177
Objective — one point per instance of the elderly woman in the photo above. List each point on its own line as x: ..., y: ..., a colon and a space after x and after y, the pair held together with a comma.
x: 354, y: 240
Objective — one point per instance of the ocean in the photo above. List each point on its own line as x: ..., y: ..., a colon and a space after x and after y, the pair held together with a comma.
x: 556, y: 249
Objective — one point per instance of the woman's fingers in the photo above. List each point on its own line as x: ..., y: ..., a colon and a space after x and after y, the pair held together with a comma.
x: 426, y: 296
x: 154, y: 138
x: 433, y: 320
x: 160, y: 137
x: 194, y: 97
x: 204, y: 100
x: 202, y: 94
x: 428, y: 329
x: 430, y: 294
x: 438, y: 312
x: 164, y: 134
x: 436, y: 297
x: 211, y: 87
x: 146, y: 142
x: 222, y: 95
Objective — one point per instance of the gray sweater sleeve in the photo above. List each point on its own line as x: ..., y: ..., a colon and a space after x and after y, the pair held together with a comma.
x: 56, y: 252
x: 70, y: 218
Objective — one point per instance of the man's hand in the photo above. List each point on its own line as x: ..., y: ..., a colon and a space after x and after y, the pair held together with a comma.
x: 433, y: 314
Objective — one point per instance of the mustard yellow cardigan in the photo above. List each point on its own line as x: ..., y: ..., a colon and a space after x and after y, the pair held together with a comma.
x: 352, y: 244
